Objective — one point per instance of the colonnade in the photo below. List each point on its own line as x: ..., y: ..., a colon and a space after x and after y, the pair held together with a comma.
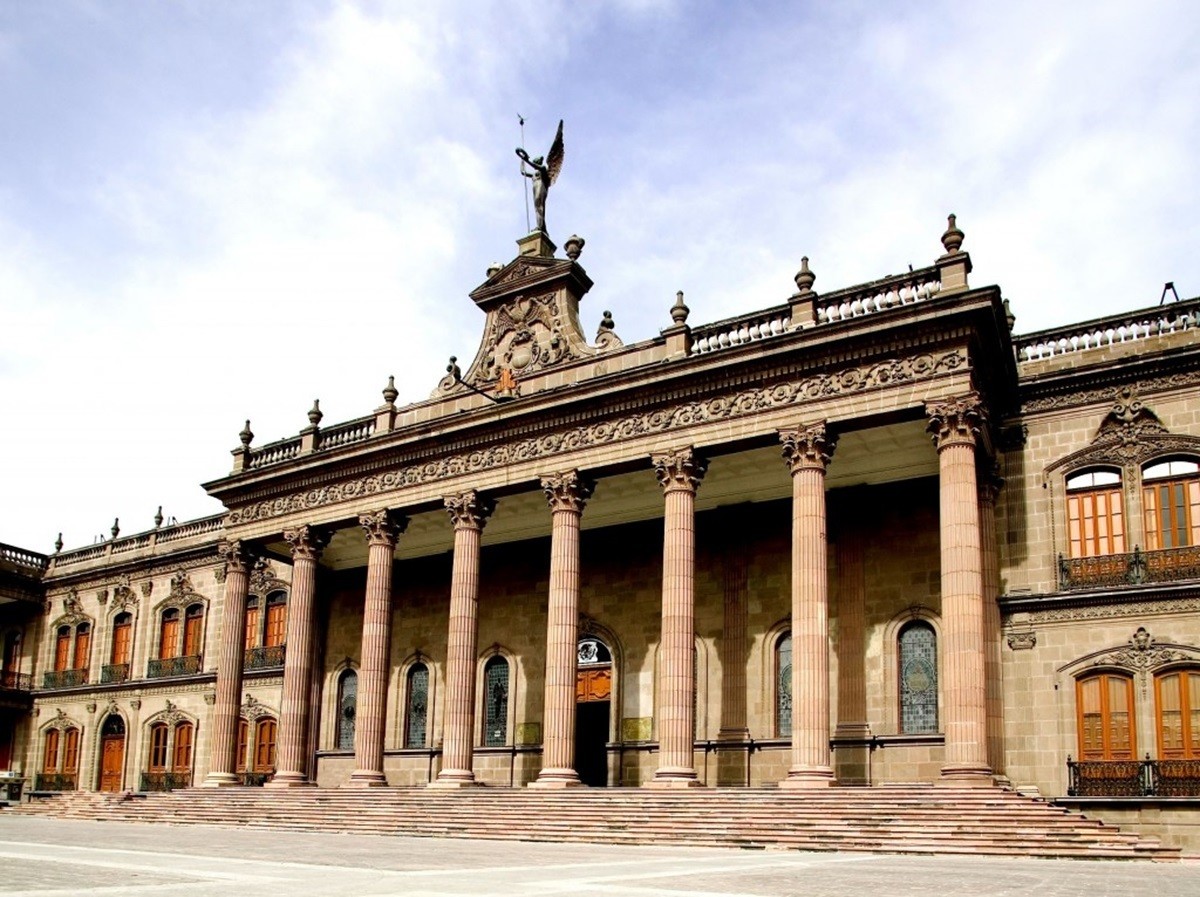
x: 808, y: 451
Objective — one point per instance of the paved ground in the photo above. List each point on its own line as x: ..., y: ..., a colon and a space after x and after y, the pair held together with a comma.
x: 44, y: 857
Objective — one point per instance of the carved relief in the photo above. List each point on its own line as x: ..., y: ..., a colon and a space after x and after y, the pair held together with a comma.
x: 808, y: 448
x: 61, y: 721
x: 171, y: 715
x: 469, y: 510
x: 264, y: 580
x: 680, y: 470
x: 1106, y: 611
x: 567, y: 491
x: 252, y: 710
x: 181, y: 594
x: 1091, y: 396
x: 235, y: 555
x: 383, y: 527
x: 957, y: 422
x: 1022, y: 640
x: 307, y: 542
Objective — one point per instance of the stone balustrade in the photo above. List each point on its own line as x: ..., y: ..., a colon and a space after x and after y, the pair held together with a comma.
x: 1145, y: 324
x: 741, y: 330
x: 871, y: 298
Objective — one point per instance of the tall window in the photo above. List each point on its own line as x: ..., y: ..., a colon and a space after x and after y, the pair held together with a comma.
x: 1105, y: 706
x: 347, y: 708
x: 1171, y: 503
x: 62, y: 648
x: 495, y: 700
x: 158, y: 747
x: 83, y: 646
x: 416, y: 710
x: 181, y: 756
x: 50, y: 753
x: 1177, y: 695
x: 122, y: 642
x: 783, y: 687
x: 168, y: 644
x: 71, y: 751
x: 252, y: 622
x: 264, y: 745
x: 193, y: 631
x: 243, y: 743
x: 1095, y: 523
x: 276, y: 632
x: 918, y: 679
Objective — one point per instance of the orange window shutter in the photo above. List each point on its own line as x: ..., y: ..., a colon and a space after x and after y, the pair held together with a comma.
x: 50, y: 757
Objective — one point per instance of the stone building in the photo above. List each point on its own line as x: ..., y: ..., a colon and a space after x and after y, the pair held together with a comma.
x: 858, y: 537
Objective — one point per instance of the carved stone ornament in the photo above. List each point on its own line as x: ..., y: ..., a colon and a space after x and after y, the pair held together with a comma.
x: 682, y: 469
x: 171, y: 715
x: 307, y: 542
x: 1099, y: 394
x: 567, y: 491
x: 810, y: 448
x: 383, y: 527
x: 102, y: 597
x: 90, y: 707
x: 71, y: 604
x: 1124, y: 609
x: 136, y: 704
x: 181, y: 594
x: 253, y: 710
x: 1022, y: 640
x: 235, y: 556
x: 956, y: 422
x: 62, y: 721
x: 210, y: 698
x: 1143, y: 654
x: 181, y: 585
x: 263, y: 579
x: 219, y: 573
x: 732, y: 405
x: 469, y: 510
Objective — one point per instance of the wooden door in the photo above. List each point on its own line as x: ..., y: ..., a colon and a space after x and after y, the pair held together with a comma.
x: 112, y: 758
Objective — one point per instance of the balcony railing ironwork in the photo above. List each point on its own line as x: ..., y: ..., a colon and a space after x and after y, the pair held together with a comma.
x: 64, y: 678
x: 165, y: 781
x: 114, y: 672
x: 266, y: 657
x: 11, y: 680
x: 1133, y: 778
x: 54, y: 781
x: 1131, y: 568
x: 173, y: 666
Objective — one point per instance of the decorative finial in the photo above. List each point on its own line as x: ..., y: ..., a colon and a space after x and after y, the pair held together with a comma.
x: 574, y: 246
x: 389, y: 391
x: 679, y: 311
x: 1009, y: 316
x: 314, y: 413
x: 952, y: 239
x: 58, y: 544
x: 607, y: 323
x: 158, y: 517
x: 453, y: 370
x: 493, y: 269
x: 246, y: 435
x: 116, y: 527
x: 804, y: 277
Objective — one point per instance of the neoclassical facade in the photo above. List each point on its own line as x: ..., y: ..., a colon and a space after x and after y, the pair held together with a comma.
x: 858, y: 537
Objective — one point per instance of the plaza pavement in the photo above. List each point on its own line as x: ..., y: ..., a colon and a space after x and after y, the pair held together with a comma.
x: 51, y: 857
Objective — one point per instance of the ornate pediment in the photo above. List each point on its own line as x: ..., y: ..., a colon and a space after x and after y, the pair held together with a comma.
x: 263, y: 578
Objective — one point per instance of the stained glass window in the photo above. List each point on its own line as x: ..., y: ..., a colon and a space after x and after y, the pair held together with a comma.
x: 495, y: 699
x: 417, y: 710
x: 918, y: 679
x: 347, y: 706
x: 783, y: 687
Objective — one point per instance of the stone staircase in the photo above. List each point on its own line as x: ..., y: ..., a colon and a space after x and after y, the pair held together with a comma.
x: 889, y: 819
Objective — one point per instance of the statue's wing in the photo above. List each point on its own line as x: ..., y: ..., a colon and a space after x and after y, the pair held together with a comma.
x: 554, y: 158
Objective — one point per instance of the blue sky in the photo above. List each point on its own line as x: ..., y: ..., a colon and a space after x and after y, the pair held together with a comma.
x: 213, y: 210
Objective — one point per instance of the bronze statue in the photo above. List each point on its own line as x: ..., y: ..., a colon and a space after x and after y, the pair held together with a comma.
x: 545, y: 172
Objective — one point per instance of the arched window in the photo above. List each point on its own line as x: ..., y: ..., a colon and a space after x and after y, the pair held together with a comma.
x: 1105, y: 706
x: 416, y: 710
x: 264, y: 745
x: 495, y: 702
x: 83, y: 646
x: 1177, y: 698
x: 243, y: 743
x: 1095, y: 522
x: 252, y: 622
x: 918, y: 676
x: 122, y: 640
x: 347, y: 709
x: 70, y: 764
x: 158, y: 747
x: 62, y: 648
x: 168, y: 643
x: 1171, y: 504
x: 181, y: 756
x: 193, y: 631
x: 50, y: 752
x: 276, y: 633
x: 783, y: 686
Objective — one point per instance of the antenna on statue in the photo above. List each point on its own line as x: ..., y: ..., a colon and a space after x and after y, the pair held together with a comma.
x: 524, y: 182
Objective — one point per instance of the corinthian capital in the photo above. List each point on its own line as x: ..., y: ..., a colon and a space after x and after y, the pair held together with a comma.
x: 236, y: 556
x: 956, y: 422
x: 470, y: 510
x: 681, y: 469
x: 810, y: 448
x: 567, y: 491
x: 383, y: 527
x: 307, y: 542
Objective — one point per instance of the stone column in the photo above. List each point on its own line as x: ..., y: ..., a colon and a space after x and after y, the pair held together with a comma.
x: 989, y: 490
x: 292, y: 767
x: 955, y: 426
x: 679, y: 473
x: 230, y: 660
x: 383, y: 528
x: 468, y: 512
x: 567, y: 494
x: 852, y: 727
x: 807, y: 453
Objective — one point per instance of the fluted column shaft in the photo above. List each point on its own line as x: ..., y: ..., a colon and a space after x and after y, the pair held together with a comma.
x: 468, y: 513
x: 955, y: 426
x: 679, y: 474
x: 382, y: 529
x: 292, y: 767
x: 993, y: 670
x: 807, y: 453
x: 230, y: 659
x: 567, y: 494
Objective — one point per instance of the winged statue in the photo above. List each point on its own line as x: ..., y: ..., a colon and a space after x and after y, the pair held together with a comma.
x: 544, y: 174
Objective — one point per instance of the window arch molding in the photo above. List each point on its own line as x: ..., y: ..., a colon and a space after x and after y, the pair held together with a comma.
x: 345, y: 708
x: 400, y: 687
x: 332, y: 697
x: 181, y: 599
x: 917, y: 613
x: 516, y: 679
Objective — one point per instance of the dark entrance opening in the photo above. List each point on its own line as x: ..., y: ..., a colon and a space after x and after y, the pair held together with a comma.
x: 593, y: 701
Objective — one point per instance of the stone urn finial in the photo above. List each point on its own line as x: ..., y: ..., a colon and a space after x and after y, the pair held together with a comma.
x: 315, y: 414
x: 246, y: 435
x: 493, y: 269
x: 158, y: 517
x: 58, y: 544
x: 952, y: 239
x: 679, y: 311
x: 390, y: 392
x: 116, y: 527
x: 1009, y: 316
x: 574, y: 246
x: 804, y: 277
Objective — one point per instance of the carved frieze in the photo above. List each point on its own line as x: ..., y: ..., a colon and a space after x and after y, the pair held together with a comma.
x: 1100, y: 394
x: 1108, y: 611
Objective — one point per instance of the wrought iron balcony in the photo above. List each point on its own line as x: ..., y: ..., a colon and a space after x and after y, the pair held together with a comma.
x: 54, y: 781
x: 173, y: 666
x: 114, y: 672
x: 1130, y: 568
x: 64, y: 678
x: 11, y: 680
x: 1133, y: 778
x: 165, y: 781
x: 265, y: 658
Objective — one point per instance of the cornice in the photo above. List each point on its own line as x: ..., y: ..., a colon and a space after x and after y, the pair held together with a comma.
x: 1095, y: 383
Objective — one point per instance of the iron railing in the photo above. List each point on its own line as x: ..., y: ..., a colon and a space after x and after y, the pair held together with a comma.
x: 54, y: 781
x: 114, y: 672
x: 1133, y: 778
x: 1130, y: 568
x: 165, y: 781
x: 173, y: 666
x: 64, y: 678
x: 265, y: 657
x: 11, y: 680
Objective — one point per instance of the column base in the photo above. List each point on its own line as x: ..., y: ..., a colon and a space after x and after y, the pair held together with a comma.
x: 808, y: 777
x: 454, y: 778
x: 556, y: 778
x: 366, y: 778
x: 221, y: 780
x: 290, y: 780
x: 964, y: 776
x: 674, y: 777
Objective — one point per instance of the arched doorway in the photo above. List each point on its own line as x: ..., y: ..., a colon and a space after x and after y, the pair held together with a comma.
x: 112, y: 753
x: 593, y: 702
